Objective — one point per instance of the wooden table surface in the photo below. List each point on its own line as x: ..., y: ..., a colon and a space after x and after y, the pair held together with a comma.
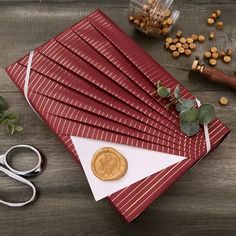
x: 202, y: 202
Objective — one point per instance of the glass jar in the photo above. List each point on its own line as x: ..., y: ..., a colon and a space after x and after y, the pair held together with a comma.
x: 153, y: 17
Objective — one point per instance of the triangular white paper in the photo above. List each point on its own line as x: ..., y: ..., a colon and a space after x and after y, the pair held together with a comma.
x: 141, y: 163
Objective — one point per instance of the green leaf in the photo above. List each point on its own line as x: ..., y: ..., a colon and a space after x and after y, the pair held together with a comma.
x: 189, y: 115
x: 9, y: 120
x: 179, y: 107
x: 206, y: 113
x: 4, y: 121
x: 11, y: 116
x: 2, y: 117
x: 18, y: 128
x: 189, y: 128
x: 177, y: 92
x: 163, y: 92
x: 11, y: 128
x: 185, y: 104
x: 3, y: 104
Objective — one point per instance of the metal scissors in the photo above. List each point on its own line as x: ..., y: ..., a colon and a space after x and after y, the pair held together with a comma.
x: 21, y: 176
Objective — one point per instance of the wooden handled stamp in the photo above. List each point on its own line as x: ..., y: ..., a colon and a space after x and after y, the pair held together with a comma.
x: 214, y: 74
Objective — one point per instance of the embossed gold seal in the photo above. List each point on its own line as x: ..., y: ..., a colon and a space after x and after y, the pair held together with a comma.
x: 109, y: 164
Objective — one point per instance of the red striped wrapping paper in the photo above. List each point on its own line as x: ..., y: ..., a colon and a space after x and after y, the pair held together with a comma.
x: 93, y: 81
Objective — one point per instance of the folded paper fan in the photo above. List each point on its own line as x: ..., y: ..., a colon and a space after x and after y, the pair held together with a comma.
x: 93, y: 86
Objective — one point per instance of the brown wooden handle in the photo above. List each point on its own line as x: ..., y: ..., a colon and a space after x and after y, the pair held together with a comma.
x: 218, y: 76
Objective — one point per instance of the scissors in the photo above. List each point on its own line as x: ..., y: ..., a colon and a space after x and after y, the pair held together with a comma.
x: 21, y: 176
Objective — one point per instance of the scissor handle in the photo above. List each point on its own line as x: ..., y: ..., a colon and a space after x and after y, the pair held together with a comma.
x: 22, y: 180
x: 28, y: 173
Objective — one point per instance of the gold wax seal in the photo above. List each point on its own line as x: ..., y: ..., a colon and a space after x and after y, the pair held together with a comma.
x: 109, y: 164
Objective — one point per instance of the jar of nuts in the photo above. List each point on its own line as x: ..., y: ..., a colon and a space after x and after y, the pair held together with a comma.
x: 153, y: 17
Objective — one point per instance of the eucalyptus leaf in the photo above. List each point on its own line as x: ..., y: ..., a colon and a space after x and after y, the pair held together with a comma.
x: 11, y: 116
x: 177, y: 92
x: 163, y: 92
x: 179, y: 107
x: 189, y: 115
x: 18, y: 128
x: 189, y: 128
x: 11, y: 128
x: 3, y: 104
x: 2, y: 117
x: 206, y: 113
x: 184, y: 104
x: 4, y: 121
x: 9, y: 119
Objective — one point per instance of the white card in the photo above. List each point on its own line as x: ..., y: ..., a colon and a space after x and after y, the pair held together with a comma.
x: 141, y: 164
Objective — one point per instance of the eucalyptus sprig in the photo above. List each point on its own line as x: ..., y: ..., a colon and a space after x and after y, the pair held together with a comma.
x: 8, y: 119
x: 191, y: 117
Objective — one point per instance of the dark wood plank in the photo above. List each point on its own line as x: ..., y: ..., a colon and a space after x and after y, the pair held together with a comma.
x: 202, y: 202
